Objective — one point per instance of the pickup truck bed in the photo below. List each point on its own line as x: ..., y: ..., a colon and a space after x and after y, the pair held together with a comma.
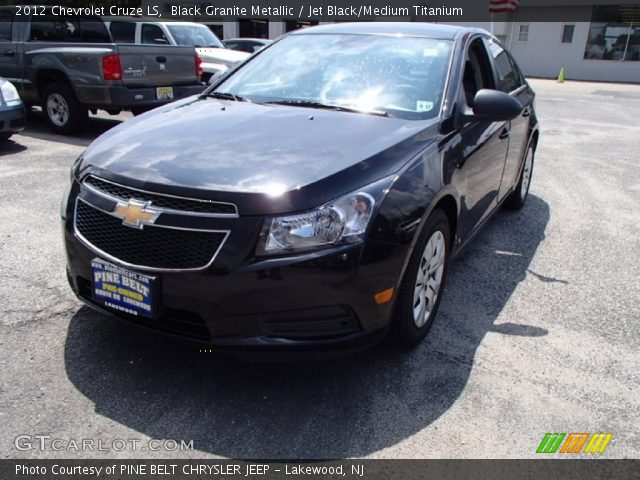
x: 69, y: 66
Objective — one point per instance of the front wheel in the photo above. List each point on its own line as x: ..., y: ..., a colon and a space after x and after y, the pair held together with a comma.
x: 518, y: 197
x: 423, y: 282
x: 61, y: 108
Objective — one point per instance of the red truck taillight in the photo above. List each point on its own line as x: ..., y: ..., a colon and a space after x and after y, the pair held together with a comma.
x: 198, y: 66
x: 111, y: 68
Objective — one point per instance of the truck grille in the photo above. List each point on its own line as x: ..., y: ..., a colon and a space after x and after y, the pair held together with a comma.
x: 162, y: 201
x: 151, y: 247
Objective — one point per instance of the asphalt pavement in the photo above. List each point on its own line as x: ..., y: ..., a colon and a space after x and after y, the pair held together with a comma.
x: 538, y: 330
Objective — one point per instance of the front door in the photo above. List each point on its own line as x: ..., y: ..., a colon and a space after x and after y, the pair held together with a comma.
x: 485, y: 147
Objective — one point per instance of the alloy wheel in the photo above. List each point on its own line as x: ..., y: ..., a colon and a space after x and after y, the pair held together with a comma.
x: 57, y: 109
x: 429, y: 279
x: 526, y: 174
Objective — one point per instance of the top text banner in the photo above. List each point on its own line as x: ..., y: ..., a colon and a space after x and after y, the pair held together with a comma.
x: 444, y: 11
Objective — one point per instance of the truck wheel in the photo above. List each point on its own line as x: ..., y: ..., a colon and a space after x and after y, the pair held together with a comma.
x: 62, y: 110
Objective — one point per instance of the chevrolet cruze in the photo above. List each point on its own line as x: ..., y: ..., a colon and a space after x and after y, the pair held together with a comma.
x: 312, y: 197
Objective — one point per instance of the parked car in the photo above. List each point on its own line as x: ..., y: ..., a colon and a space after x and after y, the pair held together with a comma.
x: 12, y: 112
x: 69, y: 66
x: 249, y: 45
x: 216, y: 58
x: 310, y: 199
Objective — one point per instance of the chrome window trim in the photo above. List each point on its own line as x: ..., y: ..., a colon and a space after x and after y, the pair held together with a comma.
x: 122, y: 263
x: 97, y: 191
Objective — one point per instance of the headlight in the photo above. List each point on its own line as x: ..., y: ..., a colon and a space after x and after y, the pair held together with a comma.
x: 67, y: 190
x: 341, y: 221
x: 10, y: 94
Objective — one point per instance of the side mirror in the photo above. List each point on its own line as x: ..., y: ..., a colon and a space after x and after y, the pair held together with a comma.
x: 493, y: 106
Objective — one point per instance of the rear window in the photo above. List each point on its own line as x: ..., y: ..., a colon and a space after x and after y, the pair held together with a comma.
x: 51, y: 28
x: 508, y: 74
x: 123, y: 32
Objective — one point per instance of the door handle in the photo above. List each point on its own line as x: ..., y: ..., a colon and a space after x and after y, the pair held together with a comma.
x: 161, y: 59
x: 504, y: 134
x: 9, y: 53
x: 526, y: 112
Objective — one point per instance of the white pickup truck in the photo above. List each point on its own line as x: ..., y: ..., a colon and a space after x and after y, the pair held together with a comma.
x: 216, y: 58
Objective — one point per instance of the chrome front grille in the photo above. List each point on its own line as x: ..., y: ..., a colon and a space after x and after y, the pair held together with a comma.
x: 167, y: 202
x: 154, y: 243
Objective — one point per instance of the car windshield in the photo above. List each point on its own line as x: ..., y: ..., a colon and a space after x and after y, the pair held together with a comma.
x: 393, y: 75
x: 194, y: 35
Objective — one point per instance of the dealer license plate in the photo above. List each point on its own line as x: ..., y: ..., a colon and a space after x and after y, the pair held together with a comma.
x: 164, y: 93
x: 121, y: 289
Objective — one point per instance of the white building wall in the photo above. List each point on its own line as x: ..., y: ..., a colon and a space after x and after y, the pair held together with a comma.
x: 543, y: 54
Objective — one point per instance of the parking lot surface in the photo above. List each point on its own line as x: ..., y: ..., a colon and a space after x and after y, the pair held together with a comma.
x: 538, y: 330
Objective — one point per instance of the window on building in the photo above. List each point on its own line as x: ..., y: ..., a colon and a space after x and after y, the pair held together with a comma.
x: 254, y: 28
x: 567, y: 33
x: 291, y: 25
x: 123, y: 32
x: 153, y: 34
x: 614, y: 34
x: 523, y: 32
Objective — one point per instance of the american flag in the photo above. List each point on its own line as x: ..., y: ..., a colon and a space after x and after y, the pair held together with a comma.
x: 499, y: 6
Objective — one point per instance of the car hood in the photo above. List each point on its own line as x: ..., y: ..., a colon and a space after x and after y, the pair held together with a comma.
x: 209, y: 147
x: 223, y: 55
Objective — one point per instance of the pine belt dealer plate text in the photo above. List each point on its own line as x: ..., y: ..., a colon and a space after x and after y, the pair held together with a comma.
x: 121, y: 289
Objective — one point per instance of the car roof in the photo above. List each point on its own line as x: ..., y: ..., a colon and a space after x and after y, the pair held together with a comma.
x: 248, y: 39
x: 416, y: 29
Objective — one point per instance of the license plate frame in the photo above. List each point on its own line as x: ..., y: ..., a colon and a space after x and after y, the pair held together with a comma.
x: 123, y: 290
x: 164, y: 93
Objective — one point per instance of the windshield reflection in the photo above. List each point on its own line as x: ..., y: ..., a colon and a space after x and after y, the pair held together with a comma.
x: 400, y: 76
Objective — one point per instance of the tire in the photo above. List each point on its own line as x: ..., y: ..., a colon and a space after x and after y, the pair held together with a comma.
x: 62, y: 110
x: 518, y: 197
x: 409, y: 326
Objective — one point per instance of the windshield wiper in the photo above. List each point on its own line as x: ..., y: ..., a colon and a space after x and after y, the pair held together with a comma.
x: 328, y: 106
x: 226, y: 96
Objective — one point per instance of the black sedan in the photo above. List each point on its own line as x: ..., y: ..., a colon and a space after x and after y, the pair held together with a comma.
x: 12, y: 111
x: 312, y: 198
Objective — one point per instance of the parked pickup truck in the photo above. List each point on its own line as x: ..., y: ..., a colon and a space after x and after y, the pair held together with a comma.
x: 216, y: 58
x: 70, y: 66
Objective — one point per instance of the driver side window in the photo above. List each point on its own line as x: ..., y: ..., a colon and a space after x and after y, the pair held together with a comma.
x: 477, y: 71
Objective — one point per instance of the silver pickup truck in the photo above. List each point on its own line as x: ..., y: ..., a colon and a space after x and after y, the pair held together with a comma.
x: 216, y: 58
x: 69, y: 66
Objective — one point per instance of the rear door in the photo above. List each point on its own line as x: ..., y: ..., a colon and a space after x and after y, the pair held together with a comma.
x: 511, y: 81
x: 157, y: 65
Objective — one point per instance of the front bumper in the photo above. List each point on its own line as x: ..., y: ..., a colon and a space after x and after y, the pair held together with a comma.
x: 320, y: 301
x: 12, y: 119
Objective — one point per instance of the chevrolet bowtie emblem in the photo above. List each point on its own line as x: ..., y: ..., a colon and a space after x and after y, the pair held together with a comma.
x: 136, y: 214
